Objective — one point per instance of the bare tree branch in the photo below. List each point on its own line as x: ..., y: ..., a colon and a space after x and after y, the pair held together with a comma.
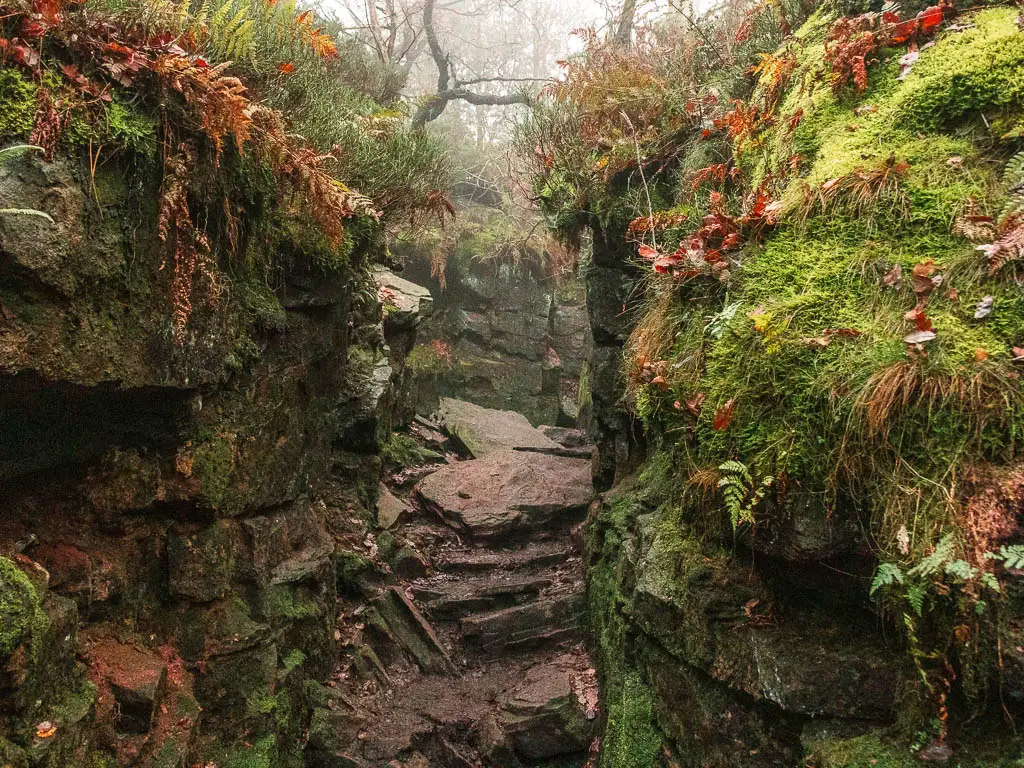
x: 449, y: 88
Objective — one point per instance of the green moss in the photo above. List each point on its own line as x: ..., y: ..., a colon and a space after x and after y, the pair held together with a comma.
x: 18, y: 100
x: 283, y: 601
x: 403, y: 451
x: 293, y: 659
x: 262, y: 754
x: 351, y: 567
x: 213, y: 462
x: 21, y: 616
x: 866, y: 751
x: 631, y: 740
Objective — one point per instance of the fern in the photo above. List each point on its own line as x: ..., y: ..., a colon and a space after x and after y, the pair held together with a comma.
x: 887, y: 574
x: 916, y: 594
x: 938, y: 559
x: 961, y: 569
x: 739, y: 492
x: 1013, y: 176
x: 1012, y: 556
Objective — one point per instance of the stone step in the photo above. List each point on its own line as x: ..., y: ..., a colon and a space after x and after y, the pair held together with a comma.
x: 500, y: 499
x: 534, y: 555
x: 545, y: 622
x: 447, y: 598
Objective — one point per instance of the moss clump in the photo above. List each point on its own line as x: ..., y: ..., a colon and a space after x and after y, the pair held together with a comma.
x: 866, y: 751
x: 403, y: 451
x: 213, y: 462
x: 631, y: 740
x: 21, y: 616
x: 18, y: 97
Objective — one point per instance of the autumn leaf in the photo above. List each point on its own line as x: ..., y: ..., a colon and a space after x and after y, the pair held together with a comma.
x: 924, y: 278
x: 893, y: 277
x: 919, y: 319
x: 647, y: 252
x: 693, y: 406
x: 286, y: 68
x: 980, y: 355
x: 1018, y: 354
x: 660, y: 382
x: 45, y: 730
x: 724, y: 415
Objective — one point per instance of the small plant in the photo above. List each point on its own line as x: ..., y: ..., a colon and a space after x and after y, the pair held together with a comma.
x: 741, y: 494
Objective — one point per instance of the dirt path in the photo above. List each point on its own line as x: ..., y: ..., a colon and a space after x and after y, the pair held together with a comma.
x: 470, y: 652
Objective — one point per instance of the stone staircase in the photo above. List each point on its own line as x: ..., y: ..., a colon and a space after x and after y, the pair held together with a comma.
x: 479, y: 661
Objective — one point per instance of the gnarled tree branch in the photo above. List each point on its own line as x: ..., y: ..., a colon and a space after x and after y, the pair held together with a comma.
x: 449, y: 88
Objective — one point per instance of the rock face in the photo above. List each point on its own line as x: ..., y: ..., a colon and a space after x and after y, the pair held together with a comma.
x: 172, y: 511
x: 512, y: 340
x: 738, y: 657
x: 610, y: 282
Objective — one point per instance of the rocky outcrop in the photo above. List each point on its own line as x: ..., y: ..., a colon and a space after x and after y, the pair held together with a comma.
x: 505, y: 338
x: 173, y: 510
x: 741, y: 655
x: 610, y: 284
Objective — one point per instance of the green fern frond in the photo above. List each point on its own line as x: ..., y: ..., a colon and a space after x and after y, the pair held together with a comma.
x: 942, y: 555
x: 915, y: 596
x: 1012, y: 556
x: 887, y: 573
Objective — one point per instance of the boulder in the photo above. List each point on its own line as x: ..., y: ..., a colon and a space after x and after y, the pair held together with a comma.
x: 405, y: 303
x: 485, y: 431
x: 390, y: 508
x: 509, y: 493
x: 543, y: 715
x: 565, y: 436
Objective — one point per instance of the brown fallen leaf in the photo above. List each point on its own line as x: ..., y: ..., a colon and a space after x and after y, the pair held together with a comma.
x: 893, y: 277
x: 980, y: 355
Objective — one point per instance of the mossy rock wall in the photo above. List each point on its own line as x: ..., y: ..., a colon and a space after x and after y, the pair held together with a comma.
x: 503, y: 335
x: 758, y: 631
x: 163, y: 500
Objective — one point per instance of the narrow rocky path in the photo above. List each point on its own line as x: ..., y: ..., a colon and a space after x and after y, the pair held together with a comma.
x: 470, y: 652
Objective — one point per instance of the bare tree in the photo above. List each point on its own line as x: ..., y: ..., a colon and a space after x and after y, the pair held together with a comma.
x: 450, y: 87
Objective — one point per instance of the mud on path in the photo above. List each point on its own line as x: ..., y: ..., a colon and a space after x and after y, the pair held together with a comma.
x: 463, y: 645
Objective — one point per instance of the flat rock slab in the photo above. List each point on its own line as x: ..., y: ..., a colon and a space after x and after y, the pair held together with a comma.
x: 485, y: 431
x: 508, y: 492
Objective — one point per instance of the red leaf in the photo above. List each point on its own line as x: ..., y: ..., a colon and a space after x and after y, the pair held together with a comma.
x: 660, y: 382
x: 648, y: 252
x: 724, y: 416
x: 920, y: 320
x: 930, y: 18
x: 286, y: 67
